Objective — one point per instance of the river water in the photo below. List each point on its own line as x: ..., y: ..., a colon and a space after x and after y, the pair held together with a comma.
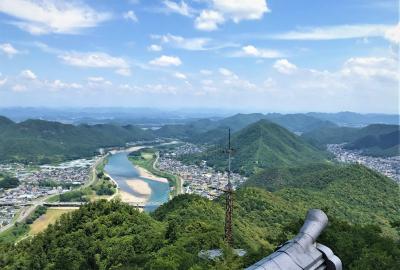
x: 123, y: 171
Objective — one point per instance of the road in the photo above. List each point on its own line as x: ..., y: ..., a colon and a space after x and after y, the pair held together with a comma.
x: 180, y: 188
x: 27, y: 211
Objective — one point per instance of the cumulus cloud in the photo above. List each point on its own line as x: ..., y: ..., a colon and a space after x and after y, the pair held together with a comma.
x: 154, y: 48
x: 221, y: 11
x: 181, y: 8
x: 241, y: 10
x: 225, y: 72
x: 58, y: 85
x: 96, y: 60
x: 208, y: 20
x: 369, y: 67
x: 180, y: 75
x: 130, y: 15
x: 28, y: 74
x: 52, y: 16
x: 8, y: 49
x: 191, y: 44
x: 284, y: 66
x: 166, y: 60
x: 251, y: 51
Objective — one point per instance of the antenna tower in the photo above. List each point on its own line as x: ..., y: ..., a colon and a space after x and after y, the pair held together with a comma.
x: 229, y: 198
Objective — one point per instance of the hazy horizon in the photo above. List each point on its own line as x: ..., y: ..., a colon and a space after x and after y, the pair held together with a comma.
x: 248, y: 56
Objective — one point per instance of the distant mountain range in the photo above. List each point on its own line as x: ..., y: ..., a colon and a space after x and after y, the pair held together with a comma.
x: 376, y: 139
x: 43, y: 141
x: 200, y: 130
x: 356, y: 119
x: 261, y: 145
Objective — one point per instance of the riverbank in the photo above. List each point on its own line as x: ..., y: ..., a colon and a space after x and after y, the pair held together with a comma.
x: 146, y: 161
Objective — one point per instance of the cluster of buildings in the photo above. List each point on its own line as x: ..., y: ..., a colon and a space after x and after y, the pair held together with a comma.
x: 40, y: 181
x: 389, y: 166
x: 201, y: 180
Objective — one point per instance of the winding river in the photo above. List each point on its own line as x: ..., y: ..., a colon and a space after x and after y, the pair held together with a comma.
x: 130, y: 182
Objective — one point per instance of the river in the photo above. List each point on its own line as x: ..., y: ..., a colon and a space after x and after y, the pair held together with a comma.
x: 129, y: 181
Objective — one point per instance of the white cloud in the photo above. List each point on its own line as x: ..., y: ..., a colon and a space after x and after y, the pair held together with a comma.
x: 251, y: 51
x: 181, y: 8
x: 96, y: 82
x: 154, y: 48
x: 191, y: 44
x: 225, y: 72
x: 209, y: 20
x: 8, y: 49
x: 390, y: 32
x: 284, y: 66
x: 28, y: 74
x: 180, y: 75
x: 165, y: 61
x: 51, y: 16
x: 130, y: 15
x: 221, y: 11
x: 96, y: 60
x: 393, y: 34
x: 58, y: 84
x: 369, y: 67
x: 19, y: 88
x: 241, y: 10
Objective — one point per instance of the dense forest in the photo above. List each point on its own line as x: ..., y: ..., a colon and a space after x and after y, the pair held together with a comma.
x: 45, y: 142
x: 258, y: 146
x: 113, y: 235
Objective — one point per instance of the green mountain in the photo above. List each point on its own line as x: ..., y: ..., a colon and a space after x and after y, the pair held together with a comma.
x: 357, y: 119
x: 113, y: 235
x: 261, y: 145
x: 350, y: 192
x: 210, y: 131
x: 43, y: 141
x: 376, y: 139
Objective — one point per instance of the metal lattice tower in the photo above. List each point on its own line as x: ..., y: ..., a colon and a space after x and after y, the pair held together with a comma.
x: 229, y: 198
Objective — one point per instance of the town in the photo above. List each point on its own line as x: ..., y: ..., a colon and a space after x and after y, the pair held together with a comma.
x: 201, y: 180
x: 37, y: 182
x: 389, y: 166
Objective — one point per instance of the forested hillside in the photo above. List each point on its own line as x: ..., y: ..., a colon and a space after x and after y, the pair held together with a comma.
x: 376, y: 139
x: 112, y: 235
x: 261, y: 145
x: 43, y: 141
x: 209, y: 131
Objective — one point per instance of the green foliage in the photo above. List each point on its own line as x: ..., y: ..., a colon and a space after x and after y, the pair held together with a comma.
x: 45, y: 142
x: 376, y: 139
x: 350, y: 192
x: 261, y: 145
x: 40, y: 210
x: 7, y: 181
x: 74, y: 196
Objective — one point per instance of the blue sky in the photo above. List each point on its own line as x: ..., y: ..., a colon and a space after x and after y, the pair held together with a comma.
x: 254, y: 55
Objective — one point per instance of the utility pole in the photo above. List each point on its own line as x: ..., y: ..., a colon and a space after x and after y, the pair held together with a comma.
x: 229, y: 199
